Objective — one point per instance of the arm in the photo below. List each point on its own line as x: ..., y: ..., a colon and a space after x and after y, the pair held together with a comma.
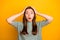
x: 44, y: 22
x: 12, y: 18
x: 48, y: 18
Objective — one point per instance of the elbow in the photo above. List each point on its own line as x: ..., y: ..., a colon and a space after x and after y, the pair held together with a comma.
x: 50, y: 19
x: 8, y: 20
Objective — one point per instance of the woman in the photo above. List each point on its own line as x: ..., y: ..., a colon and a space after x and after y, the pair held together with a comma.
x: 29, y: 29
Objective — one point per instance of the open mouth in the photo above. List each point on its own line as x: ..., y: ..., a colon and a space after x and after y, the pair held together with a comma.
x: 29, y: 18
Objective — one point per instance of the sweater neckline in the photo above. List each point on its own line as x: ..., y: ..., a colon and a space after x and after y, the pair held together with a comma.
x: 29, y: 22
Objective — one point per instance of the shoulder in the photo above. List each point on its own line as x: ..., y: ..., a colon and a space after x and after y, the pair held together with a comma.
x: 42, y: 23
x: 20, y: 23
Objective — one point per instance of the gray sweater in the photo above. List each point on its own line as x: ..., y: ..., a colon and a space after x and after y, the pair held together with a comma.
x: 19, y: 26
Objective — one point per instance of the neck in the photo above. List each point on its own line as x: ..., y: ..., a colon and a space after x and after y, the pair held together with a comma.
x: 29, y: 21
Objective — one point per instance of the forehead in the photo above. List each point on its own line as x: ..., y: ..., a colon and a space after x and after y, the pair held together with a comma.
x: 29, y: 10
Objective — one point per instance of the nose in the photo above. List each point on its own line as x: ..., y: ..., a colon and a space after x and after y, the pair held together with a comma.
x: 28, y: 14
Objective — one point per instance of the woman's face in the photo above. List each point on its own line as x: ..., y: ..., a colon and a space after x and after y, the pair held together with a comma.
x: 29, y: 15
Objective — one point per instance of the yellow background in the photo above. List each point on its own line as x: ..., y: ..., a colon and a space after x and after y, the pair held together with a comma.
x: 11, y: 7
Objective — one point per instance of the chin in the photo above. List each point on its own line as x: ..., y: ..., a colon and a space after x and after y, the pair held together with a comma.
x: 29, y: 20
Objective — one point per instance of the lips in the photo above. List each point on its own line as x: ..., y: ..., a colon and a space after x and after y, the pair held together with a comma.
x: 29, y: 18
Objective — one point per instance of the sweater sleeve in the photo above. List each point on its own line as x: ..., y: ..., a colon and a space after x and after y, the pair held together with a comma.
x: 42, y: 23
x: 16, y: 24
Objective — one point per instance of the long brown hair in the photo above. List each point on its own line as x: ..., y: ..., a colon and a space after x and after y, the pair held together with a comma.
x: 34, y: 26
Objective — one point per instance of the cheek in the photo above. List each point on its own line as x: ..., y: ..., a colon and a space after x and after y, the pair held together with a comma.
x: 32, y: 16
x: 26, y: 16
